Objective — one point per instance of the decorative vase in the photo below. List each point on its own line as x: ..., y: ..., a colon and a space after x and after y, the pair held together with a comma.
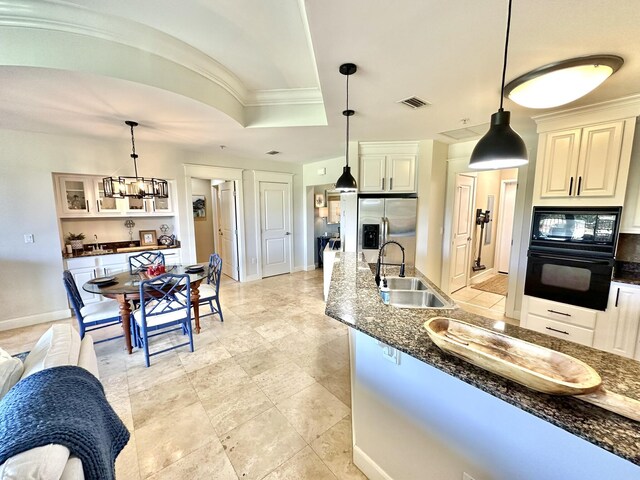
x: 76, y: 244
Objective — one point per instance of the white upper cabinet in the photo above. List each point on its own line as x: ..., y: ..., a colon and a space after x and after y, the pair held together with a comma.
x: 83, y: 196
x: 388, y: 167
x: 75, y: 196
x: 631, y: 209
x: 584, y: 155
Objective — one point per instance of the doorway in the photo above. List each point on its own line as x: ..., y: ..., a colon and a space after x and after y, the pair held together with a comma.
x: 224, y: 208
x: 463, y: 204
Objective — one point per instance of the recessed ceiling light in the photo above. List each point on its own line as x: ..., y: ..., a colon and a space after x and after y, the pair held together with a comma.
x: 562, y: 82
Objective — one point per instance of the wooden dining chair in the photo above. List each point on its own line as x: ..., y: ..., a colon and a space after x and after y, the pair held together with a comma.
x: 93, y: 316
x: 165, y: 306
x: 210, y: 291
x: 143, y: 260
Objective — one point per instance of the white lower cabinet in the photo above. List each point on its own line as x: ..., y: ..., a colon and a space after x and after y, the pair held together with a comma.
x: 82, y: 276
x: 559, y: 320
x: 617, y: 330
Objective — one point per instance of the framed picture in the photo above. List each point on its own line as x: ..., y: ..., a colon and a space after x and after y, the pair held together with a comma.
x: 320, y: 200
x: 148, y: 238
x: 199, y: 206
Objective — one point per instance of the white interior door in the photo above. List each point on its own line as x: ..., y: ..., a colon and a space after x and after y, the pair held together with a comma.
x: 228, y: 229
x: 505, y: 225
x: 461, y: 232
x: 275, y: 220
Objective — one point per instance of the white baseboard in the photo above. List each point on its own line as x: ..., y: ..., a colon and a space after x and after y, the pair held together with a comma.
x: 370, y: 468
x: 18, y: 322
x: 308, y: 268
x: 252, y: 278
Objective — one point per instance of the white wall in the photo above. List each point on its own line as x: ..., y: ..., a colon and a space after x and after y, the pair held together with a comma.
x: 30, y: 284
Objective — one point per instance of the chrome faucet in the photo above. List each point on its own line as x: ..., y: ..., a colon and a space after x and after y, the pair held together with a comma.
x: 97, y: 247
x: 380, y: 262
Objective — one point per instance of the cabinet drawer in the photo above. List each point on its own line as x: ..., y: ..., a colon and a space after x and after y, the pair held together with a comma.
x: 562, y: 330
x: 561, y: 312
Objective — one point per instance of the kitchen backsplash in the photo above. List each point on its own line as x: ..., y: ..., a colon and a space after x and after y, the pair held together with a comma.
x: 628, y: 248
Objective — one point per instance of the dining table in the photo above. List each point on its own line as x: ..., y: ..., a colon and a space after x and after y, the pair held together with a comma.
x: 125, y: 287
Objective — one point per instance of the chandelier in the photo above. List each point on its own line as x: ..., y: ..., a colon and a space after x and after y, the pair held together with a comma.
x: 135, y: 186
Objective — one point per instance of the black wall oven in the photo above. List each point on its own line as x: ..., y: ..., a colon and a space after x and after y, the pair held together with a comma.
x: 571, y: 255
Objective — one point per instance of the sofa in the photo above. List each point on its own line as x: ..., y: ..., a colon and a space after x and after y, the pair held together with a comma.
x: 60, y: 345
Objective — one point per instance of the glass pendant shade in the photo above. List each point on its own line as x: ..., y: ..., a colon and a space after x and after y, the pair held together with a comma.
x: 346, y: 183
x: 562, y: 82
x: 501, y: 146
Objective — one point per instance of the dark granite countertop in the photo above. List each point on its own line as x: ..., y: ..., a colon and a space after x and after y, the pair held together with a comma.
x: 627, y: 272
x: 354, y: 300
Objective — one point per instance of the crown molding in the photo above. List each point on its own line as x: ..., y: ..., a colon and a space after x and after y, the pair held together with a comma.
x: 60, y: 16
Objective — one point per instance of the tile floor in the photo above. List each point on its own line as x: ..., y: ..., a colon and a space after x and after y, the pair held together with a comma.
x: 266, y: 394
x: 483, y: 303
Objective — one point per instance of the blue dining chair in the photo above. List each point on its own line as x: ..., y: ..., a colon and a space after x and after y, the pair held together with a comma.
x: 143, y: 260
x: 165, y: 306
x: 210, y: 291
x: 93, y: 316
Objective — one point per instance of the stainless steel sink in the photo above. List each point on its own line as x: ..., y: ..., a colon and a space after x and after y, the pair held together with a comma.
x: 411, y: 292
x: 405, y: 283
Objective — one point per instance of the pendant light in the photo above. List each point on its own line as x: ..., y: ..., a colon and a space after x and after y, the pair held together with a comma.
x: 138, y: 187
x: 562, y: 82
x: 346, y: 183
x: 501, y: 147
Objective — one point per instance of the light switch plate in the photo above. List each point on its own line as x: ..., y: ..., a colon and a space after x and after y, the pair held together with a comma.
x: 28, y: 238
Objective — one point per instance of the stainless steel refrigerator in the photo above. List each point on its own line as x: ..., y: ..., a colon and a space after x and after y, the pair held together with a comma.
x: 383, y: 219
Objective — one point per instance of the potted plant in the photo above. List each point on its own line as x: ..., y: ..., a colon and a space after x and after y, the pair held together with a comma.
x: 75, y: 240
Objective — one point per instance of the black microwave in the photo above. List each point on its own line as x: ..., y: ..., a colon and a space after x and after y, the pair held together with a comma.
x: 575, y: 230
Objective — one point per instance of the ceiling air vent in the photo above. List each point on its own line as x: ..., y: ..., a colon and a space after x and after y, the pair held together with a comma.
x: 414, y: 102
x: 273, y: 152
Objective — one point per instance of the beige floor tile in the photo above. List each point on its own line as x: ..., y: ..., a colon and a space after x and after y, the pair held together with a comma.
x: 167, y: 439
x: 283, y: 381
x: 486, y: 299
x: 299, y: 344
x: 305, y: 465
x: 219, y: 379
x: 313, y: 411
x: 162, y: 400
x: 258, y: 446
x: 261, y: 359
x: 203, y: 356
x: 334, y: 449
x: 338, y: 383
x: 242, y: 342
x: 127, y: 461
x: 465, y: 294
x: 164, y: 367
x: 275, y: 329
x: 237, y: 406
x: 209, y: 462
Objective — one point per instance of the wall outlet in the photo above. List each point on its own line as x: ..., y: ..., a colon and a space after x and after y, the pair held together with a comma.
x: 466, y: 476
x: 322, y: 171
x: 28, y: 238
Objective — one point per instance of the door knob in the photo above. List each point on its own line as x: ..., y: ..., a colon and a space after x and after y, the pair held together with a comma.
x: 288, y: 233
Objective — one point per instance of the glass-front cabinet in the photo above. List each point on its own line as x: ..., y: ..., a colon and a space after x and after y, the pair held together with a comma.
x: 74, y: 196
x: 106, y: 205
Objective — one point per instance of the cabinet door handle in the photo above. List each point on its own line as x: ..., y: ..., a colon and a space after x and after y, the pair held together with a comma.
x: 559, y: 313
x: 98, y: 204
x: 391, y: 183
x: 579, y: 185
x: 87, y: 202
x: 570, y: 185
x: 617, y: 296
x: 383, y: 183
x: 556, y: 330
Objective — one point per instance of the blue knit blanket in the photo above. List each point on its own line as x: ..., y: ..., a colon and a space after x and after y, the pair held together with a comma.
x: 64, y: 405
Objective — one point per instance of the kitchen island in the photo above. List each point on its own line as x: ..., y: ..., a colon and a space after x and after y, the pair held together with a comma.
x: 421, y: 413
